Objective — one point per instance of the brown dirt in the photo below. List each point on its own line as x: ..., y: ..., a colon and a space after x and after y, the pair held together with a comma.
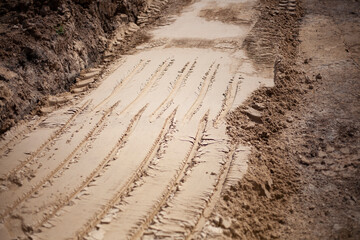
x: 302, y: 181
x: 303, y: 172
x: 234, y: 13
x: 62, y: 39
x: 45, y: 44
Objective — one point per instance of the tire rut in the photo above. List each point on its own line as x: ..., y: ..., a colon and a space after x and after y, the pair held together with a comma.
x: 215, y: 196
x: 53, y: 136
x: 20, y: 135
x: 185, y: 212
x: 205, y: 85
x: 126, y: 187
x: 179, y: 82
x: 175, y: 180
x: 119, y: 144
x: 160, y: 71
x: 35, y: 187
x: 137, y: 69
x: 229, y: 97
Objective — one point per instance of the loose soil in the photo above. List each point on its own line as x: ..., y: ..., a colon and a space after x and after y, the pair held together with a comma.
x: 45, y: 44
x: 234, y: 120
x: 303, y: 175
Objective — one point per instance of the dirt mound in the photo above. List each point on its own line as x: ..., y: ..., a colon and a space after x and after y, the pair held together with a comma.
x: 258, y: 205
x: 45, y: 44
x: 302, y: 180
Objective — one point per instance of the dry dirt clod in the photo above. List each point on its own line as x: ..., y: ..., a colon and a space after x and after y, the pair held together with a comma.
x: 106, y: 220
x: 318, y: 76
x: 226, y: 222
x: 254, y: 115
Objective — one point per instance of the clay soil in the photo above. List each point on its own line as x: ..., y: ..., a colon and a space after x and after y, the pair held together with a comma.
x: 303, y: 177
x: 45, y: 44
x: 208, y: 120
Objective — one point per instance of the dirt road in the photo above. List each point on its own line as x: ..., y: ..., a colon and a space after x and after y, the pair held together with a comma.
x: 146, y: 153
x: 235, y: 120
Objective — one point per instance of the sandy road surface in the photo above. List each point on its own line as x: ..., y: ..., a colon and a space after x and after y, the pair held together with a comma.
x: 145, y: 154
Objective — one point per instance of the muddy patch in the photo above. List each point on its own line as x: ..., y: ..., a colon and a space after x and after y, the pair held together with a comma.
x: 233, y: 13
x: 227, y: 44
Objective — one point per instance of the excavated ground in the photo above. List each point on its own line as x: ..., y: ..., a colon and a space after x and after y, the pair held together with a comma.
x: 303, y: 175
x: 232, y: 120
x: 45, y: 45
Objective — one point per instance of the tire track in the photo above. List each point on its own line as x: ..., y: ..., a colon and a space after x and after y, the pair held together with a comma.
x: 119, y: 144
x: 180, y: 80
x: 160, y: 71
x: 137, y: 174
x: 228, y: 101
x: 137, y: 69
x: 47, y: 142
x: 208, y: 79
x: 34, y: 188
x: 215, y: 196
x: 20, y: 135
x: 183, y: 210
x: 185, y: 165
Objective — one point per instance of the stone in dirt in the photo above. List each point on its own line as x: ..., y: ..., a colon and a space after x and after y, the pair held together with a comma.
x: 253, y: 114
x: 47, y: 225
x: 304, y: 161
x: 226, y: 222
x: 97, y: 234
x: 258, y: 106
x: 318, y: 76
x: 106, y: 220
x: 217, y: 220
x: 214, y: 230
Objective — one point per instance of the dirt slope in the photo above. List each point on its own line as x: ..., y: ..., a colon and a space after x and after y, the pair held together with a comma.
x: 45, y: 44
x: 303, y: 177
